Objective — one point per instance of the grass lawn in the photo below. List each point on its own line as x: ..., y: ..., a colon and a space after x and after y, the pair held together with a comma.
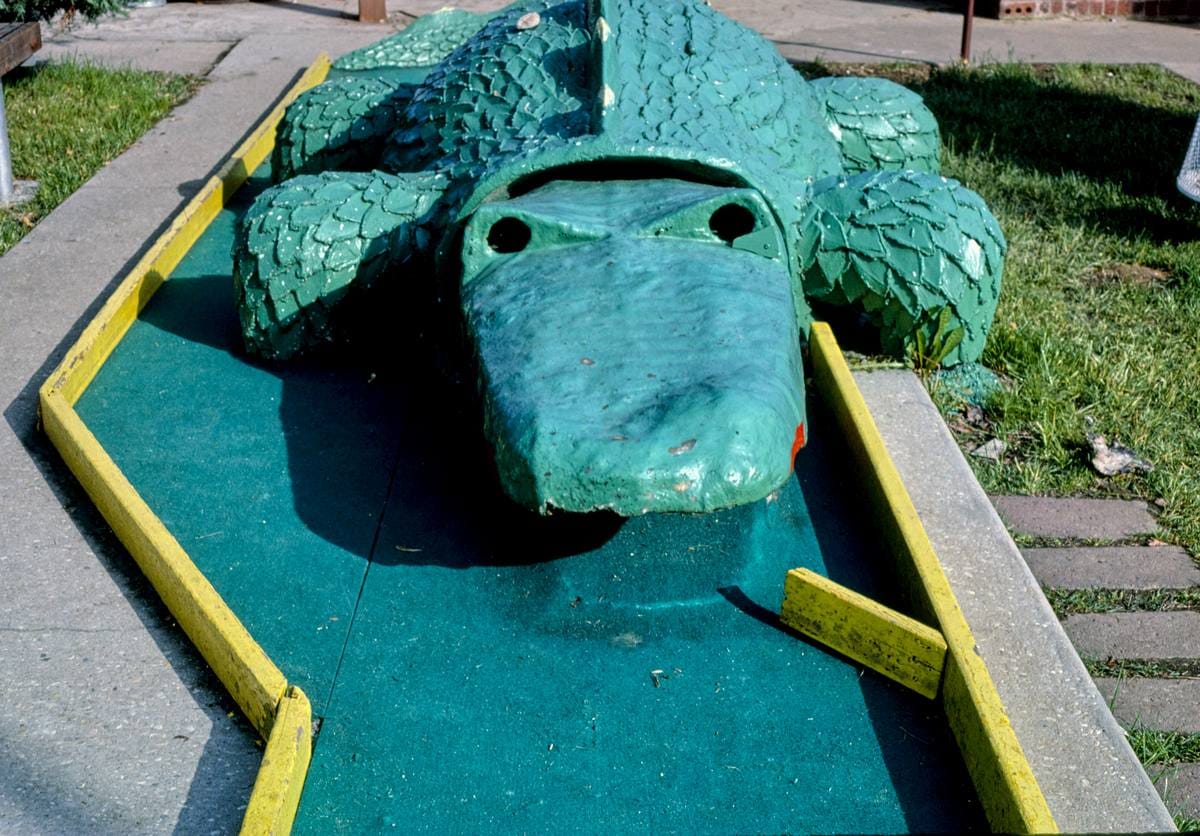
x: 1099, y: 321
x: 66, y: 120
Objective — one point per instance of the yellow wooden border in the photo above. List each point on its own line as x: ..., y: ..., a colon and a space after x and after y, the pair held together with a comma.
x: 889, y: 642
x: 253, y: 680
x: 276, y: 793
x: 999, y: 769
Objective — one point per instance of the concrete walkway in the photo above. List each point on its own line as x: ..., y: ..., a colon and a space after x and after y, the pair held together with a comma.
x: 109, y: 722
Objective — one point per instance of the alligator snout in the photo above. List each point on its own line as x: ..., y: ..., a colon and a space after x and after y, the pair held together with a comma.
x: 630, y: 357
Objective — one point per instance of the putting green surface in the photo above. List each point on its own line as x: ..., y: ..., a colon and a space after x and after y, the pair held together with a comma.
x: 479, y: 668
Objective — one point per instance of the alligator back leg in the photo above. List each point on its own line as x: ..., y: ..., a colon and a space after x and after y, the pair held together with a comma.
x: 879, y: 125
x: 339, y: 125
x: 921, y: 254
x: 302, y: 247
x: 342, y: 124
x: 423, y: 43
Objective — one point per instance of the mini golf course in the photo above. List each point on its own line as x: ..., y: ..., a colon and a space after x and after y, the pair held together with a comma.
x: 475, y: 666
x: 478, y: 667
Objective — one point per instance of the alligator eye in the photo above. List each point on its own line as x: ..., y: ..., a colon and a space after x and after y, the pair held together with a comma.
x: 731, y: 222
x: 508, y: 235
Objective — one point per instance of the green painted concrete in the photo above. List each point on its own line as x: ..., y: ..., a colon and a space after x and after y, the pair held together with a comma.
x: 672, y: 355
x: 462, y: 112
x: 478, y: 666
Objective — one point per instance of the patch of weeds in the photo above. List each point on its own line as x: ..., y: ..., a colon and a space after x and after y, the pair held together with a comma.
x: 1187, y: 824
x: 1027, y: 541
x: 905, y: 73
x: 1159, y: 748
x: 1074, y: 601
x: 66, y: 120
x: 1164, y: 778
x: 934, y: 343
x: 1146, y: 668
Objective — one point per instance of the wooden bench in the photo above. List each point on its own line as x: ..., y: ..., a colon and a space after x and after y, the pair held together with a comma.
x: 17, y: 42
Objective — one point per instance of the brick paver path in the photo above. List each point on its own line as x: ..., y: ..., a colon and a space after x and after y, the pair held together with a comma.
x: 1075, y: 519
x: 1167, y: 638
x: 1118, y: 567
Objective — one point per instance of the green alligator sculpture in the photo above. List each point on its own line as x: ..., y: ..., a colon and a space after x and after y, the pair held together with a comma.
x: 634, y: 203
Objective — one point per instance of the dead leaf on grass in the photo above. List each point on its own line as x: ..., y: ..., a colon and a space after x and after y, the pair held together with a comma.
x: 1111, y: 460
x: 991, y: 450
x: 1137, y: 275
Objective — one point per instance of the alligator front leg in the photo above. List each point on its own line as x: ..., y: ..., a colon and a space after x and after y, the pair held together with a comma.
x: 342, y: 124
x: 919, y: 253
x: 305, y: 244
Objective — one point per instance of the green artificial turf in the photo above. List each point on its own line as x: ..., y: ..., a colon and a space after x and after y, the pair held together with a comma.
x: 1099, y: 318
x: 476, y: 667
x: 66, y: 120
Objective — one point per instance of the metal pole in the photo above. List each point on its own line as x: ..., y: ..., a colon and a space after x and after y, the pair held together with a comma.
x: 968, y: 19
x: 372, y: 11
x: 6, y: 175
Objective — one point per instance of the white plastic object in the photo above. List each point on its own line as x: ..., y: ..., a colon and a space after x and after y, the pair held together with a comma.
x: 1189, y: 176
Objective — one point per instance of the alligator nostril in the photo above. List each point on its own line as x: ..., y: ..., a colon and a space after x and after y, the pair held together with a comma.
x: 508, y: 235
x: 731, y: 222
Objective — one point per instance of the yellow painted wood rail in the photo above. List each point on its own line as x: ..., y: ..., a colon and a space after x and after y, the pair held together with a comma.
x: 1001, y: 773
x: 889, y: 642
x: 281, y: 714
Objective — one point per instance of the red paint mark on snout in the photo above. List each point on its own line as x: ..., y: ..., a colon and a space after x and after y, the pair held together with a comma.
x: 799, y: 440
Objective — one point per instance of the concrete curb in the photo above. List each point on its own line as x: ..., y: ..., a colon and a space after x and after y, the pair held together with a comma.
x: 1091, y: 778
x: 150, y: 744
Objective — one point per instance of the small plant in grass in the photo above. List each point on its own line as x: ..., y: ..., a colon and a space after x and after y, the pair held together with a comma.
x: 1072, y: 601
x: 1186, y: 823
x: 1157, y: 668
x: 1160, y: 748
x: 23, y: 11
x: 933, y: 345
x: 1161, y: 752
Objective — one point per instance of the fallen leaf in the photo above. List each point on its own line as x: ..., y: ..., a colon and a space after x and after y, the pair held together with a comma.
x: 991, y: 450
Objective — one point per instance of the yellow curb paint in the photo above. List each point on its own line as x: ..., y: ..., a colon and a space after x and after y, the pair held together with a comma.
x: 251, y: 678
x: 281, y: 715
x: 1007, y: 788
x: 891, y: 643
x: 276, y: 794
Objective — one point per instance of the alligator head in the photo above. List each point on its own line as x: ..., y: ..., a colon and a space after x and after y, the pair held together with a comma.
x: 637, y: 345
